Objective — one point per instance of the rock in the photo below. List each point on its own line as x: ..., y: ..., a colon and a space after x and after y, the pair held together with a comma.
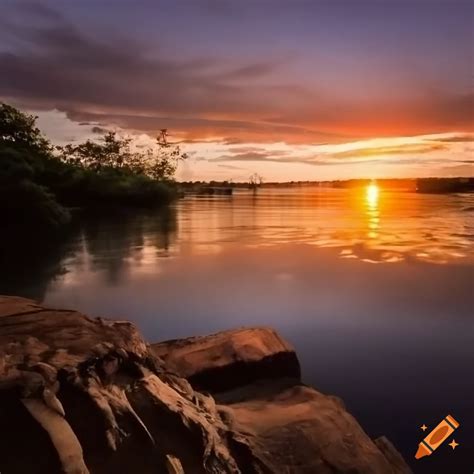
x: 52, y: 402
x: 63, y: 438
x: 81, y: 395
x: 230, y: 359
x: 174, y: 465
x: 273, y: 409
x: 84, y: 395
x: 392, y: 455
x: 324, y: 438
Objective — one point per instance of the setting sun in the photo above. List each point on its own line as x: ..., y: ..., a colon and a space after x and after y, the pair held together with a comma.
x: 372, y: 194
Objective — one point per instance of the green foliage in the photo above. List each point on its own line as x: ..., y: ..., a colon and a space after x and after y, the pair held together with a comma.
x: 25, y: 205
x: 112, y: 153
x: 30, y: 215
x: 19, y: 129
x: 15, y: 165
x: 33, y: 206
x: 24, y: 151
x: 37, y: 181
x: 117, y: 154
x: 85, y: 188
x: 162, y: 164
x: 111, y: 173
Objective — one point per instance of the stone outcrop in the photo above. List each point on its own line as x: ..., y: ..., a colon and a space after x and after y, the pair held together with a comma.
x: 81, y: 395
x: 230, y: 359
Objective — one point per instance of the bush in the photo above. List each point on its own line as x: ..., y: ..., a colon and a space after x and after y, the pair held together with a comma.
x: 30, y: 212
x: 86, y: 188
x: 37, y: 183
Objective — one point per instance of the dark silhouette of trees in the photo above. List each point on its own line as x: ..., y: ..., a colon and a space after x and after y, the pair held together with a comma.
x: 114, y: 153
x: 39, y: 182
x: 255, y: 181
x: 25, y: 203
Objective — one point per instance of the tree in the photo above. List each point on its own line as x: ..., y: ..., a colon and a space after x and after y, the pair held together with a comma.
x: 18, y: 129
x: 24, y: 151
x: 162, y: 162
x: 112, y: 153
x: 118, y: 154
x: 255, y: 181
x: 39, y: 183
x: 25, y: 204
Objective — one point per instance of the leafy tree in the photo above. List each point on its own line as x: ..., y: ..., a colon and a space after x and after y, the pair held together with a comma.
x: 38, y: 183
x: 161, y: 163
x: 114, y: 153
x: 255, y: 181
x: 24, y: 151
x: 25, y: 204
x: 19, y: 130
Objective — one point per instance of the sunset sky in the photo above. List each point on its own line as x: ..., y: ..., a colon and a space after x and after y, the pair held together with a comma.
x: 293, y: 90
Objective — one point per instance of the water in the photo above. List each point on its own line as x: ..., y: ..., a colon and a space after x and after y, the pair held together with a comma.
x: 374, y: 288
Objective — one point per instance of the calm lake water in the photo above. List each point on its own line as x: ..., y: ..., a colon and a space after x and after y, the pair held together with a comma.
x: 374, y: 290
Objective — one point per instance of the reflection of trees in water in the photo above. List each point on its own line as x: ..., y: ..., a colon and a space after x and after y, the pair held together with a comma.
x: 113, y: 243
x: 116, y: 243
x: 28, y: 266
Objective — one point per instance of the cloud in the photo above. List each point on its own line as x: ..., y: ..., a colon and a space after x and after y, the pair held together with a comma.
x: 94, y: 75
x: 193, y: 129
x: 127, y: 84
x: 454, y: 138
x: 231, y: 167
x: 255, y: 156
x: 457, y: 170
x: 99, y: 130
x: 407, y: 149
x: 369, y: 151
x: 251, y: 71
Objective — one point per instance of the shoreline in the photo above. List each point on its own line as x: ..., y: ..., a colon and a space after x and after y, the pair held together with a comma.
x: 229, y: 401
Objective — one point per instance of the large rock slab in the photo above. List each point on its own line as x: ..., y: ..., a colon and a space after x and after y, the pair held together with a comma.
x: 231, y: 358
x: 323, y: 436
x: 291, y: 427
x: 83, y: 395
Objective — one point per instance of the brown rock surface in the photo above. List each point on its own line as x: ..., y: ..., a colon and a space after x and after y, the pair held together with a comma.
x: 230, y: 359
x: 81, y: 395
x: 292, y: 427
x: 324, y: 438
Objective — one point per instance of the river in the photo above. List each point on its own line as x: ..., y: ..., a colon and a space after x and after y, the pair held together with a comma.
x: 373, y: 287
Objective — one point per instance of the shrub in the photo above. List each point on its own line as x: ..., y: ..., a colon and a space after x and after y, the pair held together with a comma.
x: 29, y: 212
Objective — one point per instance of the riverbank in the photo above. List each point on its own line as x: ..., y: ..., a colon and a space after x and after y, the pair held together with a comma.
x: 41, y: 183
x: 90, y: 395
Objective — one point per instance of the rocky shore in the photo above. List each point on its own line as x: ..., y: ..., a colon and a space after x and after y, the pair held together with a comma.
x: 80, y: 395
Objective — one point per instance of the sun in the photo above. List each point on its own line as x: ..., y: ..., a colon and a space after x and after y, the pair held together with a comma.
x: 372, y: 194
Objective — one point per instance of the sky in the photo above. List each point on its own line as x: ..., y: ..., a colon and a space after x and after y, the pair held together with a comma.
x: 292, y: 90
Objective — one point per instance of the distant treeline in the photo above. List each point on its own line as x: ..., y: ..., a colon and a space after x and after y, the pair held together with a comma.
x: 455, y: 184
x: 41, y: 184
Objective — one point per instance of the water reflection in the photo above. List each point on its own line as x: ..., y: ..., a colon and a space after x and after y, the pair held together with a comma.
x: 370, y: 224
x: 301, y: 261
x: 372, y: 195
x: 105, y: 249
x: 126, y: 243
x: 29, y: 272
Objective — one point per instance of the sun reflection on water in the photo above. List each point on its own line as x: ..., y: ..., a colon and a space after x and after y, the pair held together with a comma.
x: 369, y: 223
x: 372, y: 194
